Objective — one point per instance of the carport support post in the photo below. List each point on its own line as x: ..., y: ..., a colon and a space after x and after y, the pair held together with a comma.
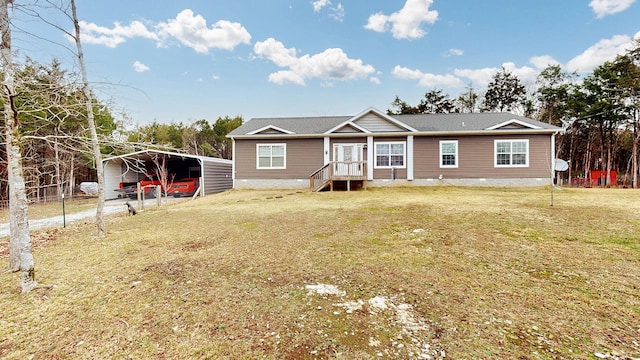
x: 140, y: 200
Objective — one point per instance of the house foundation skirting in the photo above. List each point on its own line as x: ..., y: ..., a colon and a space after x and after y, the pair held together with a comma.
x: 271, y: 184
x: 304, y: 183
x: 515, y: 182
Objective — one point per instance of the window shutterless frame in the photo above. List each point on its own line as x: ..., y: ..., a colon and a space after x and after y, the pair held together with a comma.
x: 511, y: 153
x: 271, y: 156
x: 390, y: 155
x: 448, y: 154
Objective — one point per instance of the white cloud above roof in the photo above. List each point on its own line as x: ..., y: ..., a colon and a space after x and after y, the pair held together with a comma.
x: 405, y: 23
x: 461, y: 77
x: 332, y: 63
x: 603, y: 8
x: 604, y: 50
x: 426, y: 79
x: 186, y: 28
x: 192, y: 30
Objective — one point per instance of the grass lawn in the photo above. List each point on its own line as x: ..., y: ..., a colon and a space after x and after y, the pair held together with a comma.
x: 401, y: 273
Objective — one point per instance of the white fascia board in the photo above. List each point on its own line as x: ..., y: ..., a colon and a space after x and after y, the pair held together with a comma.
x: 347, y: 123
x: 271, y: 127
x: 513, y: 121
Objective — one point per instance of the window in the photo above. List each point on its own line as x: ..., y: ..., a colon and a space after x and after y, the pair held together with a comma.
x: 511, y: 153
x: 449, y: 154
x: 271, y: 156
x: 390, y: 154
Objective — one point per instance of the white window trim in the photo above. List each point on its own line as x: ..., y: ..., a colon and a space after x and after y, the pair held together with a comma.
x: 271, y: 167
x: 495, y: 154
x: 375, y: 154
x: 442, y: 166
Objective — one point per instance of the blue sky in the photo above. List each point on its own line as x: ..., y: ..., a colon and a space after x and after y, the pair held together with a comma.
x: 181, y: 61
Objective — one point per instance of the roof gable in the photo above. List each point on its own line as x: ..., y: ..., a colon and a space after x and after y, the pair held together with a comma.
x: 271, y: 130
x: 350, y: 127
x: 372, y: 121
x: 512, y: 125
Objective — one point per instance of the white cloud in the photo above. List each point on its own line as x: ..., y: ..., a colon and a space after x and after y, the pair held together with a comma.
x: 603, y: 8
x: 604, y: 50
x: 330, y: 64
x: 478, y: 77
x: 542, y: 62
x: 140, y: 67
x: 405, y: 23
x: 525, y: 74
x: 453, y: 52
x: 188, y: 29
x: 111, y: 37
x: 192, y: 31
x: 375, y: 80
x: 318, y: 5
x: 426, y: 79
x: 336, y: 12
x: 286, y: 77
x: 275, y: 51
x: 460, y: 77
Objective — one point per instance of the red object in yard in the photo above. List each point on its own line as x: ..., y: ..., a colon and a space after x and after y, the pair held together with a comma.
x: 599, y: 177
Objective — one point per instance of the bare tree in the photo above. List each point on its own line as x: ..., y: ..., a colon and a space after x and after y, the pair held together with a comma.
x: 20, y: 255
x: 91, y: 122
x: 162, y: 172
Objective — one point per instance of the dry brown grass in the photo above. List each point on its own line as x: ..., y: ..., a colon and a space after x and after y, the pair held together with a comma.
x: 470, y: 273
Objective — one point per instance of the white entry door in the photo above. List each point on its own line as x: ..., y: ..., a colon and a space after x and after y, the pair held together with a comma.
x: 347, y: 159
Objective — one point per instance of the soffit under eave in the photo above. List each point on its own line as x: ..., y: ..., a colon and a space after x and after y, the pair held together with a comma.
x: 398, y: 134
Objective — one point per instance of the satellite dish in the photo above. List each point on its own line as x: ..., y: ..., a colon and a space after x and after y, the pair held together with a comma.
x: 561, y: 165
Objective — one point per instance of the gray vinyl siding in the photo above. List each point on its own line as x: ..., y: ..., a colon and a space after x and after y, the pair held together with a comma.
x: 216, y: 177
x: 374, y: 123
x: 476, y: 158
x: 303, y: 157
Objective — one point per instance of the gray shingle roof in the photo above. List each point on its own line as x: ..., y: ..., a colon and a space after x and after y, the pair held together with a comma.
x: 473, y: 122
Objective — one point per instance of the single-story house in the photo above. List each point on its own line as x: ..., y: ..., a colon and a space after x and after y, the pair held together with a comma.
x: 376, y: 149
x: 214, y: 174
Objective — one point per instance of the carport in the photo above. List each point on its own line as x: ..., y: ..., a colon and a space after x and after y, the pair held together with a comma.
x: 215, y: 174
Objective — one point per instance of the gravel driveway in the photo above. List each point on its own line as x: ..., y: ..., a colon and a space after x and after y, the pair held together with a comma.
x: 110, y: 207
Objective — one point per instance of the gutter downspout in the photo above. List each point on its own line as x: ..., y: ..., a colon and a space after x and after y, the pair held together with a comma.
x: 233, y: 162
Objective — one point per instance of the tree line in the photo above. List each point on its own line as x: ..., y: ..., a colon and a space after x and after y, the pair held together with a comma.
x: 55, y: 137
x: 600, y: 113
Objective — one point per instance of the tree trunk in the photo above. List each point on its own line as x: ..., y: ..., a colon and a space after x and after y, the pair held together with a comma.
x: 634, y: 153
x: 92, y: 125
x: 72, y: 180
x: 58, y: 176
x: 20, y: 255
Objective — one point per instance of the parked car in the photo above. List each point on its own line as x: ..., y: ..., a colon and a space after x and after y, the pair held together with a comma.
x: 147, y: 184
x: 183, y: 187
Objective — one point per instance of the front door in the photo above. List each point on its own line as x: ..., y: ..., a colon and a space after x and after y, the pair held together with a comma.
x: 347, y: 159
